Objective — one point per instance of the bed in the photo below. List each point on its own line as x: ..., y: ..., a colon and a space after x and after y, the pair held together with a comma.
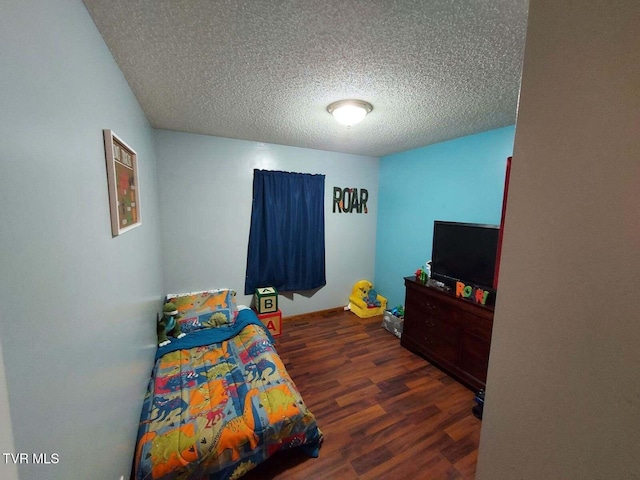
x: 220, y: 400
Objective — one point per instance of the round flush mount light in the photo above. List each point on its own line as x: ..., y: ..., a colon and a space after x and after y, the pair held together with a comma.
x: 349, y: 112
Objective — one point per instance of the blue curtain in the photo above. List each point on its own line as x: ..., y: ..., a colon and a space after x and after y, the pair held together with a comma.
x: 286, y: 240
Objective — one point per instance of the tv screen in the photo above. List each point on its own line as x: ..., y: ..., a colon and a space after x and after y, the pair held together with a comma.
x: 465, y: 252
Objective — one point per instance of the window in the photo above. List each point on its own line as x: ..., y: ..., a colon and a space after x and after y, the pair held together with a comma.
x: 286, y: 239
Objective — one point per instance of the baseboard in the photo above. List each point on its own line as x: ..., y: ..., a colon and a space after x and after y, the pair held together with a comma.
x: 303, y: 316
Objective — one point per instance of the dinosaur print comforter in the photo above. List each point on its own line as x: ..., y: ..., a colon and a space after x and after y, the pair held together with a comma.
x: 216, y: 410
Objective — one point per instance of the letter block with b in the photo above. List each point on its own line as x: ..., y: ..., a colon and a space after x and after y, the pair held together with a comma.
x: 266, y: 300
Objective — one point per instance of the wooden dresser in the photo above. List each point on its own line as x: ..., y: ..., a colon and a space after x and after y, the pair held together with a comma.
x: 452, y: 333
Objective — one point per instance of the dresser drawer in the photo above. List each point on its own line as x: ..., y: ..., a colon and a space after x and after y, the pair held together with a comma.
x: 415, y: 325
x: 474, y: 356
x: 428, y: 307
x: 442, y: 338
x: 475, y: 325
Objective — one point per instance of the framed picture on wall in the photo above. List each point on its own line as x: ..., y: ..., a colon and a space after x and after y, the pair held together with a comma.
x: 122, y: 178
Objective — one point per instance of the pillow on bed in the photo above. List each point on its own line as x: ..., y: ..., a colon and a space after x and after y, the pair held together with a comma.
x: 206, y: 309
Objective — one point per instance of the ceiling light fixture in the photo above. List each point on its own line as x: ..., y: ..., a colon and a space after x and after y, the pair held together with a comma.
x: 349, y: 112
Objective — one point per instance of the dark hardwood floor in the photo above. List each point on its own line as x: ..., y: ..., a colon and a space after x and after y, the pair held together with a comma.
x: 385, y: 413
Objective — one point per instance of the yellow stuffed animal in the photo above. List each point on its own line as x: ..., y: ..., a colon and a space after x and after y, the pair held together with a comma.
x: 365, y: 301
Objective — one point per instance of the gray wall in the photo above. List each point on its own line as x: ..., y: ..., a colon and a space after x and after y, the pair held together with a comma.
x: 9, y: 470
x: 206, y: 186
x: 78, y: 306
x: 563, y: 392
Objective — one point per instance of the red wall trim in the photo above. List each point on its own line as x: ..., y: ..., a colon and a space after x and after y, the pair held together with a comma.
x: 501, y: 233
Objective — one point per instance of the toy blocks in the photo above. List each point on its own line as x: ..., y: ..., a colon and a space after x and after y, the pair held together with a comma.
x: 265, y: 300
x: 273, y: 322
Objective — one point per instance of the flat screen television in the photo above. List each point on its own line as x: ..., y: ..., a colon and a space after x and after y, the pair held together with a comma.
x: 464, y: 252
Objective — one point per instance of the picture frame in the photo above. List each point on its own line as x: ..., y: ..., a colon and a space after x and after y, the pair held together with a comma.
x: 122, y: 179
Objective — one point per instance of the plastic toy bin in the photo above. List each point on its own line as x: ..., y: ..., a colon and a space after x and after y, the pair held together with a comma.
x: 392, y: 323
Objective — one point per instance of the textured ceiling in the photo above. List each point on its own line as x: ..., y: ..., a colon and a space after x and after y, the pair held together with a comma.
x: 265, y: 70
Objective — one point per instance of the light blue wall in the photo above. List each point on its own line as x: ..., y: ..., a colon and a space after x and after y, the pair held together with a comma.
x: 460, y: 180
x: 77, y: 307
x: 205, y: 196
